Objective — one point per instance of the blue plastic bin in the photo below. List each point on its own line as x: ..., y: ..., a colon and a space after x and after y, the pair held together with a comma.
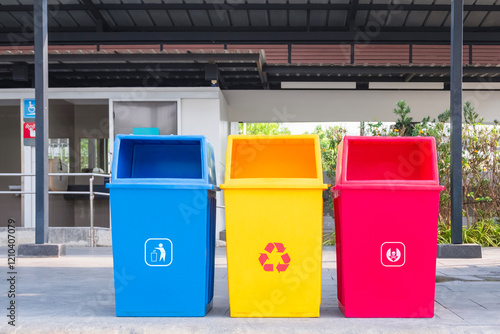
x: 162, y: 194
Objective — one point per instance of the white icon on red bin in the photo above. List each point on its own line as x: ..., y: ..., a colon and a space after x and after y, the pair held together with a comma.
x: 393, y: 254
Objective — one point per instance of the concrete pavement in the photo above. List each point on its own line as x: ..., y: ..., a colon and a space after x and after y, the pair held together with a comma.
x: 74, y: 294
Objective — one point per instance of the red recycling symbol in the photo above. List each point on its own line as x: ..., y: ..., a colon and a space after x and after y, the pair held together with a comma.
x: 284, y: 257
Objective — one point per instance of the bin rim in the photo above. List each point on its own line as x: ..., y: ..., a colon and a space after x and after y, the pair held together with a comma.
x: 151, y: 185
x: 186, y: 183
x: 274, y: 183
x: 389, y: 185
x: 271, y: 183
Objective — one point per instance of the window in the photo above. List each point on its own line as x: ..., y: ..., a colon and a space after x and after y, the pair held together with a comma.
x: 59, y: 149
x: 94, y: 155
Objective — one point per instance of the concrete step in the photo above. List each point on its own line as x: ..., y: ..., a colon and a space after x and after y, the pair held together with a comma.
x: 69, y: 236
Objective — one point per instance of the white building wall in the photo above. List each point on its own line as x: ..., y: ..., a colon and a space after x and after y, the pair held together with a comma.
x: 349, y: 105
x: 208, y: 117
x: 224, y: 131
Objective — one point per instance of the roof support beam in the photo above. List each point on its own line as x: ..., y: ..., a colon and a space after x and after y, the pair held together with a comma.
x: 352, y: 14
x: 42, y: 123
x: 256, y: 36
x: 154, y: 58
x: 96, y: 14
x: 143, y: 66
x: 87, y: 5
x: 456, y: 69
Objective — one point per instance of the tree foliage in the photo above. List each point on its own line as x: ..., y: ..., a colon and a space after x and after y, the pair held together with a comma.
x: 480, y: 158
x: 264, y: 129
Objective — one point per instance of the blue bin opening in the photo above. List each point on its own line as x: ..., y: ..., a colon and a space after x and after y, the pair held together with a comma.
x: 172, y: 159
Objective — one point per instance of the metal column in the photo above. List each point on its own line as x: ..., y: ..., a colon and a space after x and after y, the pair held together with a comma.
x: 42, y: 122
x: 456, y: 72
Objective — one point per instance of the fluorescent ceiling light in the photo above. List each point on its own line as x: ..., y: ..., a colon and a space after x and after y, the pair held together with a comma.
x: 481, y: 85
x: 317, y: 85
x: 406, y: 85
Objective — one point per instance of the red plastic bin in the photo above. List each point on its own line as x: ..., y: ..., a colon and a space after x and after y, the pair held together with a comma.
x: 386, y: 200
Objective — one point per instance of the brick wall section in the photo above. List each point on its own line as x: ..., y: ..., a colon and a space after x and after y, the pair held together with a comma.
x: 436, y: 54
x: 486, y: 54
x: 381, y: 54
x: 321, y: 54
x: 275, y: 54
x: 364, y: 54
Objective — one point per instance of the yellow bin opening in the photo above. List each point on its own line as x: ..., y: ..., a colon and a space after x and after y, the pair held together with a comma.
x: 274, y: 221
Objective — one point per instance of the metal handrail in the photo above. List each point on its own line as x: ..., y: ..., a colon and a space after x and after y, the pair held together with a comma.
x: 91, y: 194
x: 57, y: 174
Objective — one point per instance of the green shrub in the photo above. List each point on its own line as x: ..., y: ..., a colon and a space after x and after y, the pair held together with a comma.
x: 329, y: 140
x: 329, y: 239
x: 485, y: 233
x: 480, y: 167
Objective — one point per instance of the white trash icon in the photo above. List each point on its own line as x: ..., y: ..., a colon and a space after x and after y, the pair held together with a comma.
x: 158, y: 252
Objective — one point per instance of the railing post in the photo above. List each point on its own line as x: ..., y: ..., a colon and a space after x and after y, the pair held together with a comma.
x: 91, y: 198
x: 91, y: 193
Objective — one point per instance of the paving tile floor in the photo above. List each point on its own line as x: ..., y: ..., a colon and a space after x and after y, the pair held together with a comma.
x: 75, y: 294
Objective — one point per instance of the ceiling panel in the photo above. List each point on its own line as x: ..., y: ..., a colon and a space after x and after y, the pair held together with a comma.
x: 180, y: 18
x: 83, y: 18
x: 53, y: 22
x: 415, y: 19
x: 492, y: 20
x: 160, y: 18
x: 396, y: 18
x: 258, y: 18
x: 279, y: 18
x: 219, y: 18
x: 200, y: 17
x: 25, y: 18
x: 436, y: 19
x: 337, y: 18
x: 298, y: 18
x: 377, y: 17
x: 318, y: 18
x: 361, y: 17
x: 121, y: 18
x: 239, y: 18
x: 141, y: 18
x: 9, y: 21
x: 474, y: 19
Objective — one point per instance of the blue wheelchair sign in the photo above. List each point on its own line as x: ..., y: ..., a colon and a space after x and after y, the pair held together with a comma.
x: 29, y: 110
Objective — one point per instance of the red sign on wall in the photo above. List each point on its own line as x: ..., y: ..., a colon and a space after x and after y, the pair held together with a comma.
x: 29, y: 130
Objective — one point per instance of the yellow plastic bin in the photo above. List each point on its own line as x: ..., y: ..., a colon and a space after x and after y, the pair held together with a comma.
x: 274, y: 220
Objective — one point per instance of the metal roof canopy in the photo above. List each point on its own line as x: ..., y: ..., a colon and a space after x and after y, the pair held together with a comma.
x: 295, y: 33
x: 159, y: 21
x: 226, y: 26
